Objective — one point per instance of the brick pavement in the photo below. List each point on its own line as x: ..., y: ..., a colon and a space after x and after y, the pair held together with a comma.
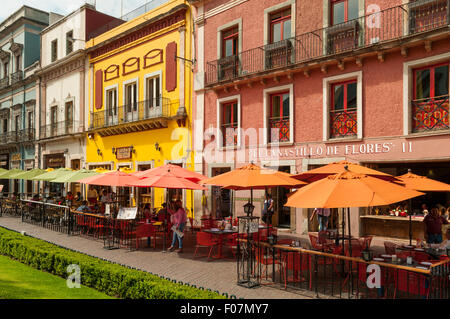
x: 218, y: 275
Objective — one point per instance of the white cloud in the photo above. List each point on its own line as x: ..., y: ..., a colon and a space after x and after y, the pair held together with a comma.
x: 64, y: 7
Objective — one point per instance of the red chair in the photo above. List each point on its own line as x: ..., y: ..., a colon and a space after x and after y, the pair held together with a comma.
x: 366, y: 241
x: 205, y: 240
x: 356, y: 246
x: 411, y: 283
x: 230, y: 241
x: 316, y: 244
x: 208, y: 223
x: 265, y: 260
x: 298, y: 264
x: 389, y: 248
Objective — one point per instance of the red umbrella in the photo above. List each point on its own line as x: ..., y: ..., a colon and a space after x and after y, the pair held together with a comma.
x: 174, y: 169
x: 167, y: 180
x: 114, y: 178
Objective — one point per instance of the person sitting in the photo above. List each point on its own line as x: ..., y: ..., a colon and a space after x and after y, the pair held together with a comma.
x: 70, y: 196
x: 433, y: 226
x: 84, y: 208
x: 92, y: 195
x: 78, y: 197
x: 147, y: 212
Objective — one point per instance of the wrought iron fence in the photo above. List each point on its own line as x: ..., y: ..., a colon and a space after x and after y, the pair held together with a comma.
x: 10, y: 207
x: 58, y: 129
x: 279, y: 129
x: 16, y: 77
x: 333, y: 275
x: 4, y: 82
x: 143, y: 110
x: 54, y: 217
x: 366, y: 31
x: 430, y: 114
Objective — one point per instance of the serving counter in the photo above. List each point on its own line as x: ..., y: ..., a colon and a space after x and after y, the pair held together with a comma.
x: 392, y: 226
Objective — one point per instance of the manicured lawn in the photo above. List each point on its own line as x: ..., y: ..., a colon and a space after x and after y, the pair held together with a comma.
x: 18, y: 281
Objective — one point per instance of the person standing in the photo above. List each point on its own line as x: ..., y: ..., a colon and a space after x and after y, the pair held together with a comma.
x: 92, y: 195
x: 267, y: 210
x: 433, y: 226
x: 178, y: 218
x: 323, y: 214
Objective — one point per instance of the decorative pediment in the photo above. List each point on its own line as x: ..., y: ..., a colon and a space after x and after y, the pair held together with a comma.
x: 131, y: 65
x: 4, y: 55
x: 30, y: 103
x: 17, y: 106
x: 4, y: 113
x: 153, y: 57
x: 112, y: 72
x: 16, y: 48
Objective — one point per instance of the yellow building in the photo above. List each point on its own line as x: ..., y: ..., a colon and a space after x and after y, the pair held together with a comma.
x: 140, y: 82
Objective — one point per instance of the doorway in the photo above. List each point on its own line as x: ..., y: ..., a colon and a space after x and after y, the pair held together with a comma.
x: 221, y: 197
x: 282, y: 214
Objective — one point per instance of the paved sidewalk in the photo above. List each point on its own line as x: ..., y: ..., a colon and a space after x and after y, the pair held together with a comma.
x: 218, y: 275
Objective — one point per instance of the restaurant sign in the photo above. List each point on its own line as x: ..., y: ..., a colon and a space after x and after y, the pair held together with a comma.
x: 16, y: 157
x: 123, y: 153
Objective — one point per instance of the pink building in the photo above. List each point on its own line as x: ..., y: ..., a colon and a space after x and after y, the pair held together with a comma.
x: 297, y: 84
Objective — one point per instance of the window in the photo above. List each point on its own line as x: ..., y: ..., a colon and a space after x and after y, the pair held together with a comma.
x: 430, y: 105
x: 53, y: 120
x: 54, y: 50
x: 69, y: 117
x: 5, y: 69
x: 229, y: 123
x: 279, y: 117
x: 69, y: 42
x: 153, y: 93
x: 18, y: 64
x: 17, y: 123
x: 230, y: 42
x: 5, y: 125
x: 111, y: 102
x: 131, y: 97
x: 343, y: 109
x: 343, y: 11
x: 30, y: 123
x: 280, y: 25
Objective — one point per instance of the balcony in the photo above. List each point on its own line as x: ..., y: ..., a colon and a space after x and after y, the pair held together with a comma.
x: 343, y: 123
x: 27, y: 135
x: 4, y: 82
x: 430, y: 114
x: 16, y: 77
x: 13, y: 137
x: 393, y: 24
x: 58, y: 129
x: 140, y: 116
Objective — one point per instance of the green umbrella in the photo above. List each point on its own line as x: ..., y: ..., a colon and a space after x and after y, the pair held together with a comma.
x: 12, y: 173
x: 74, y: 176
x: 28, y: 175
x: 50, y: 176
x: 3, y: 171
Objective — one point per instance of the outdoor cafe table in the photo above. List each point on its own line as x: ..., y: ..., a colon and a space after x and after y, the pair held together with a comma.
x: 220, y: 234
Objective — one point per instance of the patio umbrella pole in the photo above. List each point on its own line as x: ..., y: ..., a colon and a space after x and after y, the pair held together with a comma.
x: 410, y: 222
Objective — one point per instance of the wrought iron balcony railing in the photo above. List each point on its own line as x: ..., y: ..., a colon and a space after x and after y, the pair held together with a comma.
x: 430, y: 114
x: 373, y: 29
x: 27, y: 135
x: 143, y: 110
x: 58, y: 129
x: 229, y: 134
x: 16, y: 77
x: 343, y: 123
x: 279, y: 129
x: 4, y: 82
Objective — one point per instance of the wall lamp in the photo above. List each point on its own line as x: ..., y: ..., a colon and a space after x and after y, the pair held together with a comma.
x: 91, y: 136
x: 157, y: 147
x: 99, y: 152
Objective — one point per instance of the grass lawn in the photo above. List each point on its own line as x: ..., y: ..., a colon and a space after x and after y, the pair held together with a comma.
x: 19, y: 281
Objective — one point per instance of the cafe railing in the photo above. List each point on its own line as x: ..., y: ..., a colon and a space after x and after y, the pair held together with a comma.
x: 364, y: 32
x: 10, y: 207
x: 430, y: 114
x: 323, y: 274
x: 50, y: 216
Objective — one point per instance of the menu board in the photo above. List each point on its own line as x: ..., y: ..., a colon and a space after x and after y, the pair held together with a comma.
x: 127, y: 213
x: 248, y: 225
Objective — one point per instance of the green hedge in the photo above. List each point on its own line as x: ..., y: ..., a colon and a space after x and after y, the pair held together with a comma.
x: 112, y: 279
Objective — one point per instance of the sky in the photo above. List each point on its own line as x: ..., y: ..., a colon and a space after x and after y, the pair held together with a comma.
x: 64, y: 7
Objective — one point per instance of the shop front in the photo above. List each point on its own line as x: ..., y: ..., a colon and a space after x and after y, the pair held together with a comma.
x: 4, y: 163
x: 54, y: 161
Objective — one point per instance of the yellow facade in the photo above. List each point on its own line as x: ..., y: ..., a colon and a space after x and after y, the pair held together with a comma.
x: 138, y: 120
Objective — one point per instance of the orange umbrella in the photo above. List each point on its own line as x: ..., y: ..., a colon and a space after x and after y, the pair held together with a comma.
x: 340, y: 167
x: 422, y: 183
x: 253, y: 177
x: 114, y: 178
x: 174, y: 169
x: 349, y: 189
